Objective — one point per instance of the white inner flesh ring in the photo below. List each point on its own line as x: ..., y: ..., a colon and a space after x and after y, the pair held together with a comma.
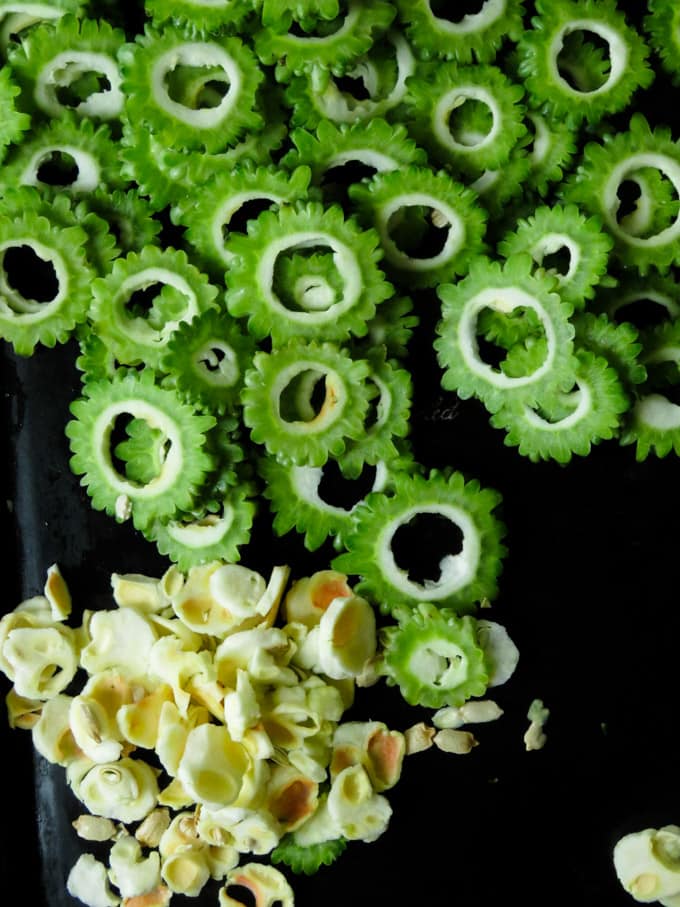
x: 64, y: 69
x: 197, y: 54
x: 455, y: 237
x: 456, y: 98
x: 156, y: 418
x: 502, y: 299
x: 666, y: 165
x: 456, y: 570
x: 137, y: 327
x: 16, y: 306
x: 618, y: 54
x: 345, y: 261
x: 335, y: 388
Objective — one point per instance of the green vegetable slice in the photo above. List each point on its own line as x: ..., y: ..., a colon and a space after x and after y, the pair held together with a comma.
x: 462, y: 37
x: 332, y: 47
x: 469, y: 118
x: 466, y: 576
x: 279, y: 401
x: 388, y: 420
x: 185, y: 465
x: 569, y: 244
x: 620, y: 344
x: 504, y: 288
x: 205, y: 360
x: 306, y: 859
x: 376, y: 144
x: 65, y: 154
x: 298, y: 501
x: 568, y: 424
x: 198, y: 17
x: 433, y: 655
x: 213, y: 535
x: 134, y: 331
x: 545, y: 49
x: 154, y: 66
x: 552, y: 150
x: 210, y: 216
x: 383, y: 72
x: 606, y: 166
x: 391, y: 327
x: 70, y: 65
x: 309, y: 309
x: 406, y: 207
x: 45, y: 275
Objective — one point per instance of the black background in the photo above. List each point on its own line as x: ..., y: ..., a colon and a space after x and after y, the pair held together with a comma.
x: 589, y: 593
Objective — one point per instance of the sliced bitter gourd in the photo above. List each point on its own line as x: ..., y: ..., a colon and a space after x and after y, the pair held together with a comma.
x: 45, y: 274
x: 467, y: 575
x: 185, y: 465
x: 568, y: 424
x: 544, y: 50
x: 429, y: 224
x: 206, y: 359
x: 462, y: 36
x: 305, y: 228
x: 503, y: 288
x: 155, y: 62
x: 70, y: 65
x: 433, y: 655
x: 280, y: 406
x: 139, y: 333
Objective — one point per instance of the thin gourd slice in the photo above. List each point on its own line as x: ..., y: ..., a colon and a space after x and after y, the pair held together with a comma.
x: 185, y: 465
x: 304, y: 228
x: 279, y: 406
x: 468, y: 572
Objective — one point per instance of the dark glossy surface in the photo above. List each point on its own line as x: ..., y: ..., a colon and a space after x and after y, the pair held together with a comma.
x: 589, y: 593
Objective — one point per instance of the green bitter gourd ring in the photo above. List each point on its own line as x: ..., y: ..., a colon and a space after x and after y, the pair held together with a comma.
x: 466, y: 577
x: 186, y: 461
x: 148, y: 65
x: 301, y: 228
x: 475, y: 36
x: 387, y: 201
x: 278, y: 404
x: 25, y: 321
x: 185, y: 293
x: 553, y: 229
x: 433, y: 655
x: 57, y: 56
x: 573, y: 422
x: 207, y: 215
x: 541, y: 45
x: 206, y: 359
x: 506, y: 288
x: 606, y: 167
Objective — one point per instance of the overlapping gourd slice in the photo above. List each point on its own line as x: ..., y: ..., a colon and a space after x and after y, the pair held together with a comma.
x: 135, y: 329
x: 466, y: 529
x: 606, y: 166
x: 45, y: 272
x: 469, y: 118
x: 186, y: 462
x: 15, y: 123
x: 198, y: 17
x: 557, y: 43
x: 68, y: 153
x: 321, y: 47
x: 382, y: 72
x: 280, y: 406
x: 70, y: 65
x: 165, y: 73
x: 462, y: 36
x: 528, y: 372
x: 331, y: 308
